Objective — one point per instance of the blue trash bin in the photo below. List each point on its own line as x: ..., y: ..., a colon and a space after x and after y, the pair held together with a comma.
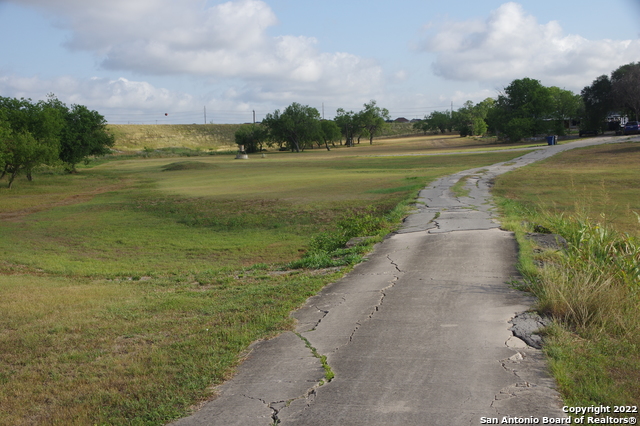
x: 550, y: 140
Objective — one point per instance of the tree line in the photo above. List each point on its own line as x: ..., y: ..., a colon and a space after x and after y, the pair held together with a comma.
x: 48, y: 132
x: 299, y: 127
x: 526, y: 108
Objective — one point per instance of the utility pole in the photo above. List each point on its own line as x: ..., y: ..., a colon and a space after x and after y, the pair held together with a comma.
x: 205, y: 114
x: 254, y: 116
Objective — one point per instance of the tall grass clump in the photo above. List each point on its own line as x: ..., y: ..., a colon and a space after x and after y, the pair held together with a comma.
x: 594, y: 285
x: 591, y: 288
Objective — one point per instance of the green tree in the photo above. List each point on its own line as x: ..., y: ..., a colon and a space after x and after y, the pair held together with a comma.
x: 625, y: 86
x: 566, y: 105
x: 373, y: 119
x: 84, y: 134
x: 421, y: 125
x: 330, y: 132
x: 31, y: 135
x: 26, y: 152
x: 470, y: 119
x: 525, y: 102
x: 348, y: 124
x: 298, y: 126
x: 598, y: 102
x: 252, y: 137
x: 5, y: 133
x: 436, y: 121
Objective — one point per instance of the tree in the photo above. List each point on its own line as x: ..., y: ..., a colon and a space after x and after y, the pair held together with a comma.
x: 5, y: 132
x: 84, y: 134
x: 26, y: 152
x: 521, y: 110
x: 373, y: 119
x: 470, y: 119
x: 597, y: 100
x: 436, y: 121
x: 31, y: 135
x: 348, y: 124
x: 421, y: 125
x: 565, y: 106
x: 625, y: 86
x: 330, y: 132
x: 252, y: 137
x: 298, y: 126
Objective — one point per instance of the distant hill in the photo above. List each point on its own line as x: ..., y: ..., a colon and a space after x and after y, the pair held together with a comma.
x: 213, y: 137
x: 135, y: 137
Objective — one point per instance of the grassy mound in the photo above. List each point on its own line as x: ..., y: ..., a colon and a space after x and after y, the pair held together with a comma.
x: 187, y: 165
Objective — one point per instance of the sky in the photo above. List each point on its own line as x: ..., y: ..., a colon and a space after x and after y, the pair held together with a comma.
x: 208, y: 61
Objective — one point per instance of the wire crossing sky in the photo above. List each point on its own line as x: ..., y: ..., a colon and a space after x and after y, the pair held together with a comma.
x: 196, y: 61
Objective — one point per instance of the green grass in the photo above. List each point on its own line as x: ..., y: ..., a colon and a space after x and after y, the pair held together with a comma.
x: 130, y: 289
x: 136, y: 137
x: 131, y: 352
x: 459, y: 189
x: 590, y: 197
x: 590, y: 181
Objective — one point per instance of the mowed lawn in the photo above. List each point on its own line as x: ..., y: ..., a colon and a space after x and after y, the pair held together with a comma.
x: 130, y: 289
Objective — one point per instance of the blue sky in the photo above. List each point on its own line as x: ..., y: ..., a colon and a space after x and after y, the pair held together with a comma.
x: 136, y: 60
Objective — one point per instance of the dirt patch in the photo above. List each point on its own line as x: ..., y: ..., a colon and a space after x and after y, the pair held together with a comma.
x: 549, y: 241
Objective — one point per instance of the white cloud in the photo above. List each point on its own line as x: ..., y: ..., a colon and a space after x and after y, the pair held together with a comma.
x: 99, y: 93
x: 122, y: 100
x: 459, y: 97
x: 511, y: 44
x: 400, y: 75
x: 227, y: 40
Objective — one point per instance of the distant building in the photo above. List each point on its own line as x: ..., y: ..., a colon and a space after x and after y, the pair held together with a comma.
x: 401, y: 120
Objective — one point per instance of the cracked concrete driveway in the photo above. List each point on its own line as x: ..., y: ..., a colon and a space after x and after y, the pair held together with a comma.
x: 416, y: 335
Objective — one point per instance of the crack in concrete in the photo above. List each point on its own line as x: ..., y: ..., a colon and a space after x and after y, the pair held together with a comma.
x: 309, y: 395
x: 508, y: 393
x: 323, y: 316
x: 274, y: 411
x: 395, y: 265
x: 517, y: 357
x: 511, y: 391
x: 277, y: 406
x: 376, y: 308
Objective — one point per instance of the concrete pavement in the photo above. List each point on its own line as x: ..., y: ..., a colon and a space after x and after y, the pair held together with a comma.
x: 416, y: 335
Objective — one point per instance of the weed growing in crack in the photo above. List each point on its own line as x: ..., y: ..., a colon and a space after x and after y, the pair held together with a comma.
x: 328, y: 372
x: 459, y: 189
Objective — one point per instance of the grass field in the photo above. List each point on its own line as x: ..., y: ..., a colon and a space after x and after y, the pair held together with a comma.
x: 131, y: 288
x: 206, y: 137
x: 592, y: 198
x: 135, y: 137
x: 595, y: 181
